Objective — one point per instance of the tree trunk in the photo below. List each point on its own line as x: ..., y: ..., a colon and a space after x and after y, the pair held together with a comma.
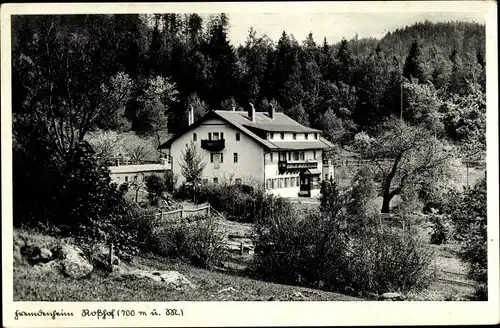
x: 385, y: 204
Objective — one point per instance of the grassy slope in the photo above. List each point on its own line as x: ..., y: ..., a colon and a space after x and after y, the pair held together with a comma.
x: 33, y: 286
x: 30, y: 285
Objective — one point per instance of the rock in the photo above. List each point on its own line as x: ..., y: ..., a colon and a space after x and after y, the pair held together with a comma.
x: 76, y: 267
x: 228, y: 289
x: 300, y: 295
x: 73, y: 261
x: 49, y: 267
x: 171, y: 278
x: 35, y: 254
x: 45, y: 255
x: 391, y: 297
x: 64, y: 251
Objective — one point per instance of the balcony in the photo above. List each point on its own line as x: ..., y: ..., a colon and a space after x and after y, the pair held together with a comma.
x: 297, y: 165
x: 213, y: 145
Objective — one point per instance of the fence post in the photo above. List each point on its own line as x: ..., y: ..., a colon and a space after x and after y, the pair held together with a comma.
x: 111, y: 255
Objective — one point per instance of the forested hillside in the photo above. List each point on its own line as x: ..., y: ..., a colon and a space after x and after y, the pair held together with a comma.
x: 160, y: 65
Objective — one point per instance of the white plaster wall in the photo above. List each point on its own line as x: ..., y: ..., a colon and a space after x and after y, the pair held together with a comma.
x: 250, y: 166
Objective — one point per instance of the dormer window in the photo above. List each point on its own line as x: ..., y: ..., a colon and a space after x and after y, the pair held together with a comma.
x: 295, y: 136
x: 271, y: 135
x: 316, y: 136
x: 237, y: 136
x: 306, y: 135
x: 282, y: 135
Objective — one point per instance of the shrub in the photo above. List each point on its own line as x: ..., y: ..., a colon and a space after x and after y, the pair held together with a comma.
x: 469, y: 216
x: 199, y: 242
x: 156, y: 186
x: 438, y: 233
x: 324, y: 250
x: 241, y: 203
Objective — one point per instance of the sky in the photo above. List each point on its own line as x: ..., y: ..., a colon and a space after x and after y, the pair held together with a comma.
x: 333, y: 26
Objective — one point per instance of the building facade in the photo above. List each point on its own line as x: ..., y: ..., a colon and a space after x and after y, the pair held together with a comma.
x: 136, y: 173
x: 255, y: 147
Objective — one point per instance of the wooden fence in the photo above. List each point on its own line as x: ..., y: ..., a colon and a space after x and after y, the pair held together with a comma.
x: 204, y: 209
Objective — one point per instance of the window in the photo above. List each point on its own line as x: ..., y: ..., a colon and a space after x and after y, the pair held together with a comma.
x: 281, y: 183
x: 221, y: 135
x: 287, y: 182
x: 295, y: 136
x: 316, y: 136
x: 283, y: 156
x: 268, y: 183
x: 271, y: 157
x: 282, y: 135
x: 289, y: 156
x: 326, y: 176
x: 212, y: 157
x: 273, y: 183
x: 195, y: 137
x: 237, y: 136
x: 216, y: 180
x: 314, y: 154
x: 169, y: 159
x: 302, y: 155
x: 296, y: 156
x: 204, y: 181
x: 237, y: 181
x: 298, y: 181
x: 126, y: 178
x: 306, y: 136
x: 216, y: 135
x: 271, y: 135
x: 135, y: 178
x: 235, y: 157
x: 209, y: 136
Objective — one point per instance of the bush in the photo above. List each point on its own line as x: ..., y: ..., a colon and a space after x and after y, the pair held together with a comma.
x: 199, y: 242
x: 438, y: 233
x: 323, y: 250
x: 156, y: 186
x: 241, y: 203
x: 469, y: 216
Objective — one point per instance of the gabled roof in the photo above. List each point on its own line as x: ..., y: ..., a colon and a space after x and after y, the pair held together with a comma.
x: 241, y: 121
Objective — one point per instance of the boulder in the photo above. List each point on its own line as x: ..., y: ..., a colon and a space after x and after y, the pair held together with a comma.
x: 36, y: 254
x: 53, y: 266
x: 391, y: 297
x: 171, y: 278
x: 76, y: 267
x: 73, y: 261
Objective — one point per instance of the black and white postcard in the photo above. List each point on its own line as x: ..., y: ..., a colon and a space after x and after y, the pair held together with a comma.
x: 250, y: 164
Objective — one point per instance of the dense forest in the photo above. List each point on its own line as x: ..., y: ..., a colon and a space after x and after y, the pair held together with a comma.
x: 154, y: 67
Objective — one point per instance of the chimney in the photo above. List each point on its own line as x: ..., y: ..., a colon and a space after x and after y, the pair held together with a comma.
x: 190, y: 115
x: 233, y: 108
x: 271, y: 111
x: 251, y: 113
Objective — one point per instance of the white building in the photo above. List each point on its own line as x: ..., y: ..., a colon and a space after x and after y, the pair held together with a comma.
x: 136, y: 173
x: 248, y: 147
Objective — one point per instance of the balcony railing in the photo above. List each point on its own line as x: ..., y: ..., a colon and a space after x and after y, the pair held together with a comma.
x: 297, y: 165
x: 213, y: 145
